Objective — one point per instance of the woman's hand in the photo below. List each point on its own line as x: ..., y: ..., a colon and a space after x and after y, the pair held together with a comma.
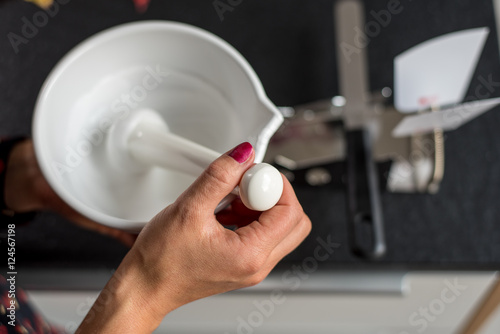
x: 26, y: 189
x: 185, y: 253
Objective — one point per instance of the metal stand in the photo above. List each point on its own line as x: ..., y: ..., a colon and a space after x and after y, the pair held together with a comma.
x: 356, y: 128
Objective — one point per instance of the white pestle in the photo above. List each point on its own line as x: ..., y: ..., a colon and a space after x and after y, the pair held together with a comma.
x: 149, y: 142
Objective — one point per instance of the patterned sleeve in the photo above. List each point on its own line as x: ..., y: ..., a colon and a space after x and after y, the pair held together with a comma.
x: 17, y: 316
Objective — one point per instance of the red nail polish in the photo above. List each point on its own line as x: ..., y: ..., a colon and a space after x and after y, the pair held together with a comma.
x: 242, y: 152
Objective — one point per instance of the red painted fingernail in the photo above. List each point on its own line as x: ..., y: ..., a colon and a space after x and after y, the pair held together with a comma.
x: 242, y: 152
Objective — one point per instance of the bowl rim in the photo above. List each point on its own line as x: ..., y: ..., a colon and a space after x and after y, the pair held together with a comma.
x: 102, y: 37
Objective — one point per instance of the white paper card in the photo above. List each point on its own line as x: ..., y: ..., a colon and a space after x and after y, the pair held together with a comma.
x: 438, y: 71
x: 446, y: 119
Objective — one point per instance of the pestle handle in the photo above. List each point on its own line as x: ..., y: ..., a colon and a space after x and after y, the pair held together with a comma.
x: 151, y: 143
x: 156, y: 146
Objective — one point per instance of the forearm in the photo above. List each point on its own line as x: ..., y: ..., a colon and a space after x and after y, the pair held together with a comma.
x: 125, y: 305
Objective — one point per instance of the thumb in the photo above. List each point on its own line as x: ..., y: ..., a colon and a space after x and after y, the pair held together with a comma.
x: 220, y: 178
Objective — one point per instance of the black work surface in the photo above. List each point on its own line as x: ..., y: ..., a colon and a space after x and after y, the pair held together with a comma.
x: 291, y: 46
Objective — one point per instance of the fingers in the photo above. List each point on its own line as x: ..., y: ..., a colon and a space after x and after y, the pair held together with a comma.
x: 285, y: 247
x: 276, y: 224
x: 290, y: 243
x: 219, y: 179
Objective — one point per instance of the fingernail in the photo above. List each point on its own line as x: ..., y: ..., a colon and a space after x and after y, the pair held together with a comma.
x: 242, y: 152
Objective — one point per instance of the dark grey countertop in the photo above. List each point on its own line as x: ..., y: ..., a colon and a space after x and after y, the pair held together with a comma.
x: 291, y: 45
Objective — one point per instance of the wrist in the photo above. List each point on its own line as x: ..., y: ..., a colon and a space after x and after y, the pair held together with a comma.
x: 134, y: 282
x: 156, y: 293
x: 127, y: 304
